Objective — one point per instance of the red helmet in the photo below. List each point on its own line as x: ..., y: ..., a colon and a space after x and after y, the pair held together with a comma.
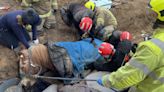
x: 125, y: 36
x: 106, y: 49
x: 85, y: 24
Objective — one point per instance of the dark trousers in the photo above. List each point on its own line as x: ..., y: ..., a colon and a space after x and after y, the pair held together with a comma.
x: 9, y: 39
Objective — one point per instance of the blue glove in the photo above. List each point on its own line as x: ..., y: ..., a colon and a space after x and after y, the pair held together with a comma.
x: 99, y: 81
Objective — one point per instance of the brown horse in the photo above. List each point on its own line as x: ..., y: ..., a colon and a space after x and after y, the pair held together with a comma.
x: 34, y: 59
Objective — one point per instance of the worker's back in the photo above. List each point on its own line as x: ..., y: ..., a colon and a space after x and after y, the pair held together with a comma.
x: 78, y: 11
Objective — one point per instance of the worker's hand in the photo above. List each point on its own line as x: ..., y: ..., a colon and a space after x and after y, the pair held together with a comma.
x: 85, y: 35
x: 36, y: 41
x: 99, y: 81
x: 98, y: 28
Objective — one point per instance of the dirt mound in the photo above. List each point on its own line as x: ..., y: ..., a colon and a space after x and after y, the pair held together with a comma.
x: 8, y: 63
x: 133, y: 16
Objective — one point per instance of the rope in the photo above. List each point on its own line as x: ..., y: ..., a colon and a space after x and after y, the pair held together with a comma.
x: 61, y: 78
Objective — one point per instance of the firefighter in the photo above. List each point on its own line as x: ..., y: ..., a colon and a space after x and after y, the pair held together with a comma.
x: 104, y: 21
x: 45, y: 9
x: 115, y: 57
x: 78, y: 16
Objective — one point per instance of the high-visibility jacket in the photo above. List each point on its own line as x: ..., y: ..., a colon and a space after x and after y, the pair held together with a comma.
x: 145, y: 71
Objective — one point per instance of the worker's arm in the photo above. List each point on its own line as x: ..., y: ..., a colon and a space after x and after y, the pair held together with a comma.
x: 105, y: 17
x: 118, y: 58
x: 100, y: 19
x: 34, y: 33
x: 123, y: 48
x: 135, y: 71
x: 18, y: 31
x: 112, y: 19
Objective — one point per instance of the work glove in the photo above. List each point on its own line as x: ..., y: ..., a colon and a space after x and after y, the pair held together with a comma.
x: 85, y: 35
x: 98, y: 29
x: 99, y: 81
x: 36, y: 41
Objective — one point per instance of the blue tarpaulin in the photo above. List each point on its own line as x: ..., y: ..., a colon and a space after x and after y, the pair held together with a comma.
x: 103, y: 3
x: 81, y: 52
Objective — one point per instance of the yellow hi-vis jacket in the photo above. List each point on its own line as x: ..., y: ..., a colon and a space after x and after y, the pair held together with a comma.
x: 145, y: 70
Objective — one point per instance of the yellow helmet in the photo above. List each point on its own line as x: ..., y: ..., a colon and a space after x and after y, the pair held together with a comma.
x: 158, y: 7
x: 90, y: 5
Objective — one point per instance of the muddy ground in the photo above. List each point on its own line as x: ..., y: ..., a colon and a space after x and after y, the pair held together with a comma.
x: 132, y: 16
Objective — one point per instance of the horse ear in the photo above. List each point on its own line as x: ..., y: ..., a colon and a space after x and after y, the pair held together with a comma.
x: 22, y: 47
x: 20, y: 52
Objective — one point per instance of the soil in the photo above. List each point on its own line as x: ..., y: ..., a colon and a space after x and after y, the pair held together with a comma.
x: 132, y: 16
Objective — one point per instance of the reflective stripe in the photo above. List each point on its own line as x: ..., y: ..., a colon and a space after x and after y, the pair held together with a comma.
x: 107, y: 82
x: 159, y: 43
x: 25, y: 3
x: 146, y: 70
x: 46, y: 15
x: 155, y: 77
x: 142, y: 67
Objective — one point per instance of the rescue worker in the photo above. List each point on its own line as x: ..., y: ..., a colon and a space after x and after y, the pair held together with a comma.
x: 117, y: 36
x: 104, y: 21
x: 13, y: 28
x: 45, y: 9
x: 77, y: 15
x: 68, y: 58
x: 144, y: 71
x: 114, y: 57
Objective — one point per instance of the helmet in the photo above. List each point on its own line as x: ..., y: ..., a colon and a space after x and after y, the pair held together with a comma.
x: 85, y: 24
x: 125, y: 36
x: 158, y: 7
x: 30, y: 16
x: 106, y: 49
x: 90, y: 5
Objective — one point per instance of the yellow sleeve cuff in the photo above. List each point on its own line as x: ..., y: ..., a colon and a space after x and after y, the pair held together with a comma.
x: 106, y: 81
